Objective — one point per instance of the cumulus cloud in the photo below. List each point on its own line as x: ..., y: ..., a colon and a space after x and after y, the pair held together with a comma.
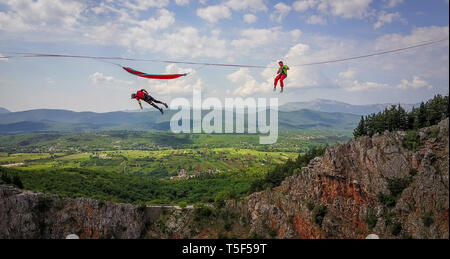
x: 50, y: 80
x: 29, y: 15
x: 386, y: 18
x: 419, y: 34
x: 187, y: 41
x: 143, y: 5
x: 243, y: 5
x: 365, y: 86
x: 3, y: 58
x: 303, y: 5
x: 316, y: 19
x: 348, y: 75
x: 252, y: 38
x: 346, y: 8
x: 416, y: 83
x: 182, y: 86
x: 393, y: 3
x: 182, y: 2
x: 250, y: 18
x: 347, y: 80
x: 281, y: 11
x: 165, y: 19
x: 214, y: 13
x: 343, y: 8
x: 100, y: 79
x: 246, y: 84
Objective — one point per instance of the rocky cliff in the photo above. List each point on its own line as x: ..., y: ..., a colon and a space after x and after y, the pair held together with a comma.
x: 390, y: 185
x: 369, y: 185
x: 28, y: 215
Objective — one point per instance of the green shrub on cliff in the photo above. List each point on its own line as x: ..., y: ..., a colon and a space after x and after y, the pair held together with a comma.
x: 318, y: 214
x: 428, y: 219
x: 276, y: 176
x: 412, y: 140
x: 371, y: 220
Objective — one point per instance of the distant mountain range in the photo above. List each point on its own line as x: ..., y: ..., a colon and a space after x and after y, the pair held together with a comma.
x: 335, y: 106
x: 318, y: 113
x: 69, y: 121
x: 3, y: 110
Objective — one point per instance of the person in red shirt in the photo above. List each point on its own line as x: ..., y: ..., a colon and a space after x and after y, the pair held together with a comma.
x: 143, y: 95
x: 282, y: 74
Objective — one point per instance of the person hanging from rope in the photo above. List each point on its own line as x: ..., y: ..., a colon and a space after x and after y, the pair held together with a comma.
x: 143, y: 95
x: 282, y: 74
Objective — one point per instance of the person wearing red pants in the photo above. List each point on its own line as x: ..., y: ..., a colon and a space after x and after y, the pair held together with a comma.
x: 282, y: 74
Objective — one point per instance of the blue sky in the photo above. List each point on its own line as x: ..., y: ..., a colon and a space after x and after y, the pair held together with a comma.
x: 255, y: 32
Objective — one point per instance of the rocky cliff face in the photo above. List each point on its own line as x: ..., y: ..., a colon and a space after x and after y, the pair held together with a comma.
x: 370, y: 185
x: 25, y: 215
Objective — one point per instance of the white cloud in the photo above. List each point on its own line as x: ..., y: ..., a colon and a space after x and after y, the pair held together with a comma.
x: 165, y: 19
x: 304, y: 5
x: 416, y: 83
x: 348, y: 75
x: 188, y: 42
x: 50, y: 80
x: 132, y: 34
x: 43, y: 15
x: 281, y: 11
x: 214, y: 13
x: 350, y: 9
x: 316, y: 19
x: 100, y: 79
x: 142, y: 5
x: 3, y: 58
x: 243, y: 5
x: 393, y: 3
x: 247, y: 85
x: 386, y: 18
x: 421, y: 34
x: 182, y: 2
x: 347, y: 79
x: 252, y: 38
x: 345, y: 8
x: 250, y: 18
x: 365, y: 86
x: 181, y: 86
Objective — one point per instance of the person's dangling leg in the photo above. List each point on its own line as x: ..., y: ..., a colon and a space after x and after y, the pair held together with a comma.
x: 156, y: 106
x: 276, y: 81
x: 283, y: 76
x: 150, y: 100
x: 163, y: 103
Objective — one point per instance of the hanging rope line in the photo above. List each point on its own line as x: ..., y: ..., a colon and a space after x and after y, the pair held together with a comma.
x: 372, y: 54
x: 37, y: 55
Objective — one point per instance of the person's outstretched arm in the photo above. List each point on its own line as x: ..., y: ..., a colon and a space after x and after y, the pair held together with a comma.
x: 140, y: 104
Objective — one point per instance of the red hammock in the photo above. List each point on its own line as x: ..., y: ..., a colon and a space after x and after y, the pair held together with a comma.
x: 137, y: 73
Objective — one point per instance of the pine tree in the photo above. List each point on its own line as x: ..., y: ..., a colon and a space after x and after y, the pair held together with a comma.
x: 422, y: 116
x: 361, y: 129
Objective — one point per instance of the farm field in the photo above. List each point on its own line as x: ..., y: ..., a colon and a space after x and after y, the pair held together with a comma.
x: 156, y: 164
x: 150, y: 167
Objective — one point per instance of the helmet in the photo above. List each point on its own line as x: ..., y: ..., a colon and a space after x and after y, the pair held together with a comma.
x: 133, y: 96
